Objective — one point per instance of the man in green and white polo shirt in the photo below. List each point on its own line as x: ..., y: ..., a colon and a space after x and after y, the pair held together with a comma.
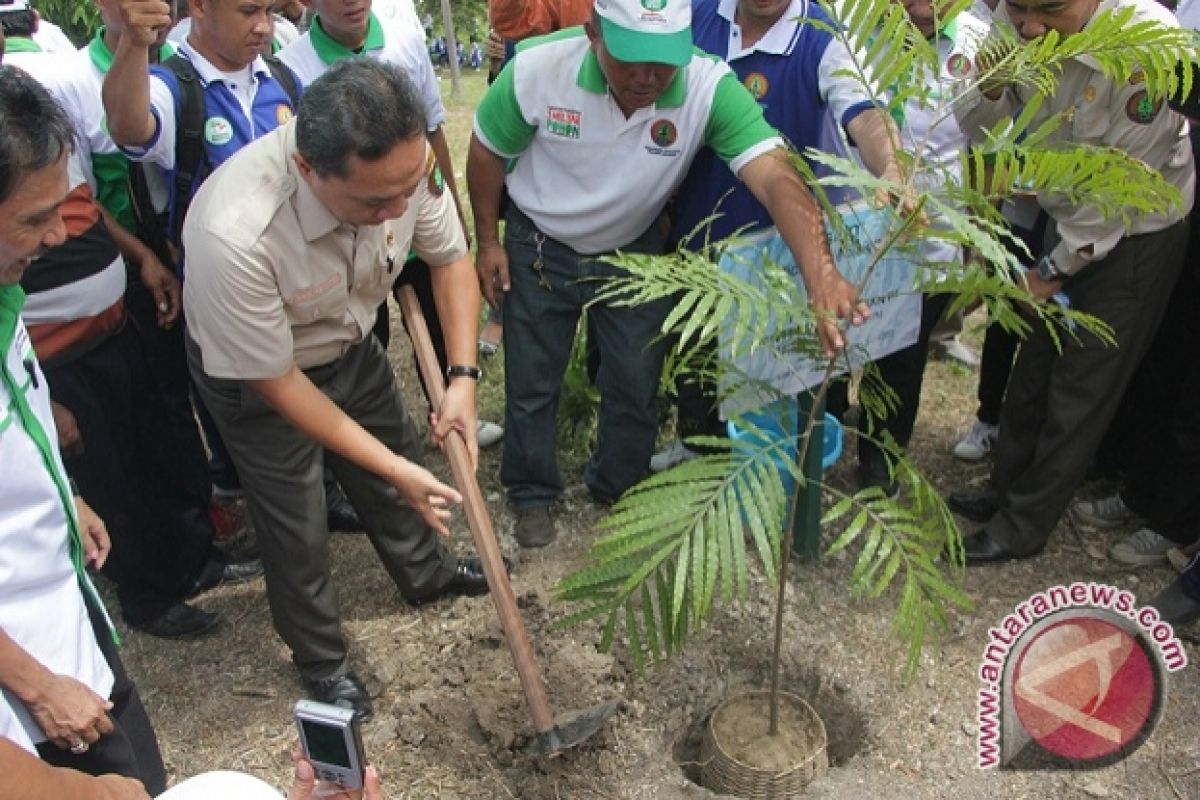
x: 603, y: 122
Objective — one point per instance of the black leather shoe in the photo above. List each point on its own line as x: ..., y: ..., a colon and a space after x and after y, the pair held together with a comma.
x: 980, y: 548
x: 345, y: 691
x: 978, y: 504
x: 468, y: 581
x: 180, y: 621
x: 1175, y: 607
x: 341, y: 515
x: 218, y: 573
x: 878, y: 477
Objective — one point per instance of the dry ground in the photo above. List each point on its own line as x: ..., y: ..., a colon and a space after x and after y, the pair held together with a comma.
x: 451, y: 719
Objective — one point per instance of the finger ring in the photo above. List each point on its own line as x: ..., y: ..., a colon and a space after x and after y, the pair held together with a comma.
x: 79, y: 748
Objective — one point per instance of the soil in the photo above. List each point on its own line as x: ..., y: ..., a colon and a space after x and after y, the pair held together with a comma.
x: 451, y: 722
x: 741, y: 731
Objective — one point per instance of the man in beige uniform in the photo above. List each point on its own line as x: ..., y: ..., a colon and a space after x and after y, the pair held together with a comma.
x: 291, y: 248
x: 1059, y: 405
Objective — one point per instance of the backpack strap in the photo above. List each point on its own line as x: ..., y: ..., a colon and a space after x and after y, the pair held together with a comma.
x: 191, y: 157
x: 285, y: 77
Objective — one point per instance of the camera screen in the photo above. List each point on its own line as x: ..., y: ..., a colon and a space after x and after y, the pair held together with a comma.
x: 326, y: 744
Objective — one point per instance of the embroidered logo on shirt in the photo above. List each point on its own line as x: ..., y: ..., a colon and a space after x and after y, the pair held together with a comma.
x: 563, y: 122
x: 217, y: 130
x: 654, y: 5
x: 283, y: 113
x: 663, y: 133
x: 1141, y: 109
x: 958, y: 66
x: 757, y: 83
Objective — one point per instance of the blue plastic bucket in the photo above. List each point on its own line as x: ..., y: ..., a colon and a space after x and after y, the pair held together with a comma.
x: 779, y: 420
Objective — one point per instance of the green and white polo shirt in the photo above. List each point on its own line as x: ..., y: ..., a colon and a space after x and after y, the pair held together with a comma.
x: 42, y: 573
x: 314, y: 52
x: 110, y: 167
x: 588, y: 176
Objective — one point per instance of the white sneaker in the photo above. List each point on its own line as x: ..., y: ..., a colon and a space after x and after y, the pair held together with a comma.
x: 978, y: 442
x: 955, y: 350
x: 488, y: 433
x: 1141, y: 548
x: 1104, y: 513
x: 674, y: 453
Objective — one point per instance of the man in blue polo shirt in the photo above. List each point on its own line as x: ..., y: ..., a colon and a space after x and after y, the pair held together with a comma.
x: 798, y: 72
x: 243, y: 100
x: 604, y: 122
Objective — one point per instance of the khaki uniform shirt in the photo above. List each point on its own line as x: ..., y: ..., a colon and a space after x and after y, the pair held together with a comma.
x: 275, y: 280
x: 1103, y: 113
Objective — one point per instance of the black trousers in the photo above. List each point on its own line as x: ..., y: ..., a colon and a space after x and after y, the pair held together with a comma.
x: 1059, y: 406
x: 148, y: 486
x: 904, y: 372
x: 131, y: 749
x: 418, y: 275
x: 1154, y: 441
x: 282, y: 469
x: 1000, y: 346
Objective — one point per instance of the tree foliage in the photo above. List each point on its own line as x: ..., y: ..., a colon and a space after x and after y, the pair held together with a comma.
x: 79, y: 19
x: 683, y: 541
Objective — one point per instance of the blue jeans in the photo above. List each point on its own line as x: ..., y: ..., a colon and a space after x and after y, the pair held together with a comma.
x: 539, y: 328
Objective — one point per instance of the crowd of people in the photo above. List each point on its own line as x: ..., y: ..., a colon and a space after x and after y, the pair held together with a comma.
x: 201, y: 222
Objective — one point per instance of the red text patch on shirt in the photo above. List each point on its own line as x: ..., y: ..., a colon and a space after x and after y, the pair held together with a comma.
x: 563, y: 122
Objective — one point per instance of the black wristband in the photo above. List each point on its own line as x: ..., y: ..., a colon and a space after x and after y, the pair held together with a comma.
x: 463, y: 371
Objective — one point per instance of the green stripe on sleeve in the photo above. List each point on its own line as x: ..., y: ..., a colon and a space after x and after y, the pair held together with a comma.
x: 736, y: 122
x: 499, y: 116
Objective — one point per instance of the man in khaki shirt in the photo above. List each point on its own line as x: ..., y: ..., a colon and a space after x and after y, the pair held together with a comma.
x: 1059, y: 405
x: 292, y: 246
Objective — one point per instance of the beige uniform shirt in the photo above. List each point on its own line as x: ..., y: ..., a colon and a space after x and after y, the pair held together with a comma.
x: 275, y: 280
x: 1105, y: 114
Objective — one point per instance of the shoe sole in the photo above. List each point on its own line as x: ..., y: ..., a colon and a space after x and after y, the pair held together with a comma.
x: 193, y: 634
x: 534, y: 542
x: 973, y: 514
x: 1100, y: 523
x: 1137, y: 559
x: 970, y: 458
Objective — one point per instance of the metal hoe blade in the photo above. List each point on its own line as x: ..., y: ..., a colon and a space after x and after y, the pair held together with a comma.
x: 552, y: 738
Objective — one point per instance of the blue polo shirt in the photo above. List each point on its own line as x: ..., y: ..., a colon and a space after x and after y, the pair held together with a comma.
x: 240, y: 107
x: 791, y: 72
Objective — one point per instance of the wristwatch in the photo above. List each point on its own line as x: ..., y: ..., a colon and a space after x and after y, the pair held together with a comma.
x: 463, y: 371
x: 1047, y: 270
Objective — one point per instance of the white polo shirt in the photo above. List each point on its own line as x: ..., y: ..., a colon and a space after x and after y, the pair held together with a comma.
x: 585, y: 174
x: 930, y: 124
x: 41, y: 605
x: 314, y: 52
x: 398, y: 15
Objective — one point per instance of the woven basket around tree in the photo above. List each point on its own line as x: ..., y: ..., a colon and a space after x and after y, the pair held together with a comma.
x: 723, y: 773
